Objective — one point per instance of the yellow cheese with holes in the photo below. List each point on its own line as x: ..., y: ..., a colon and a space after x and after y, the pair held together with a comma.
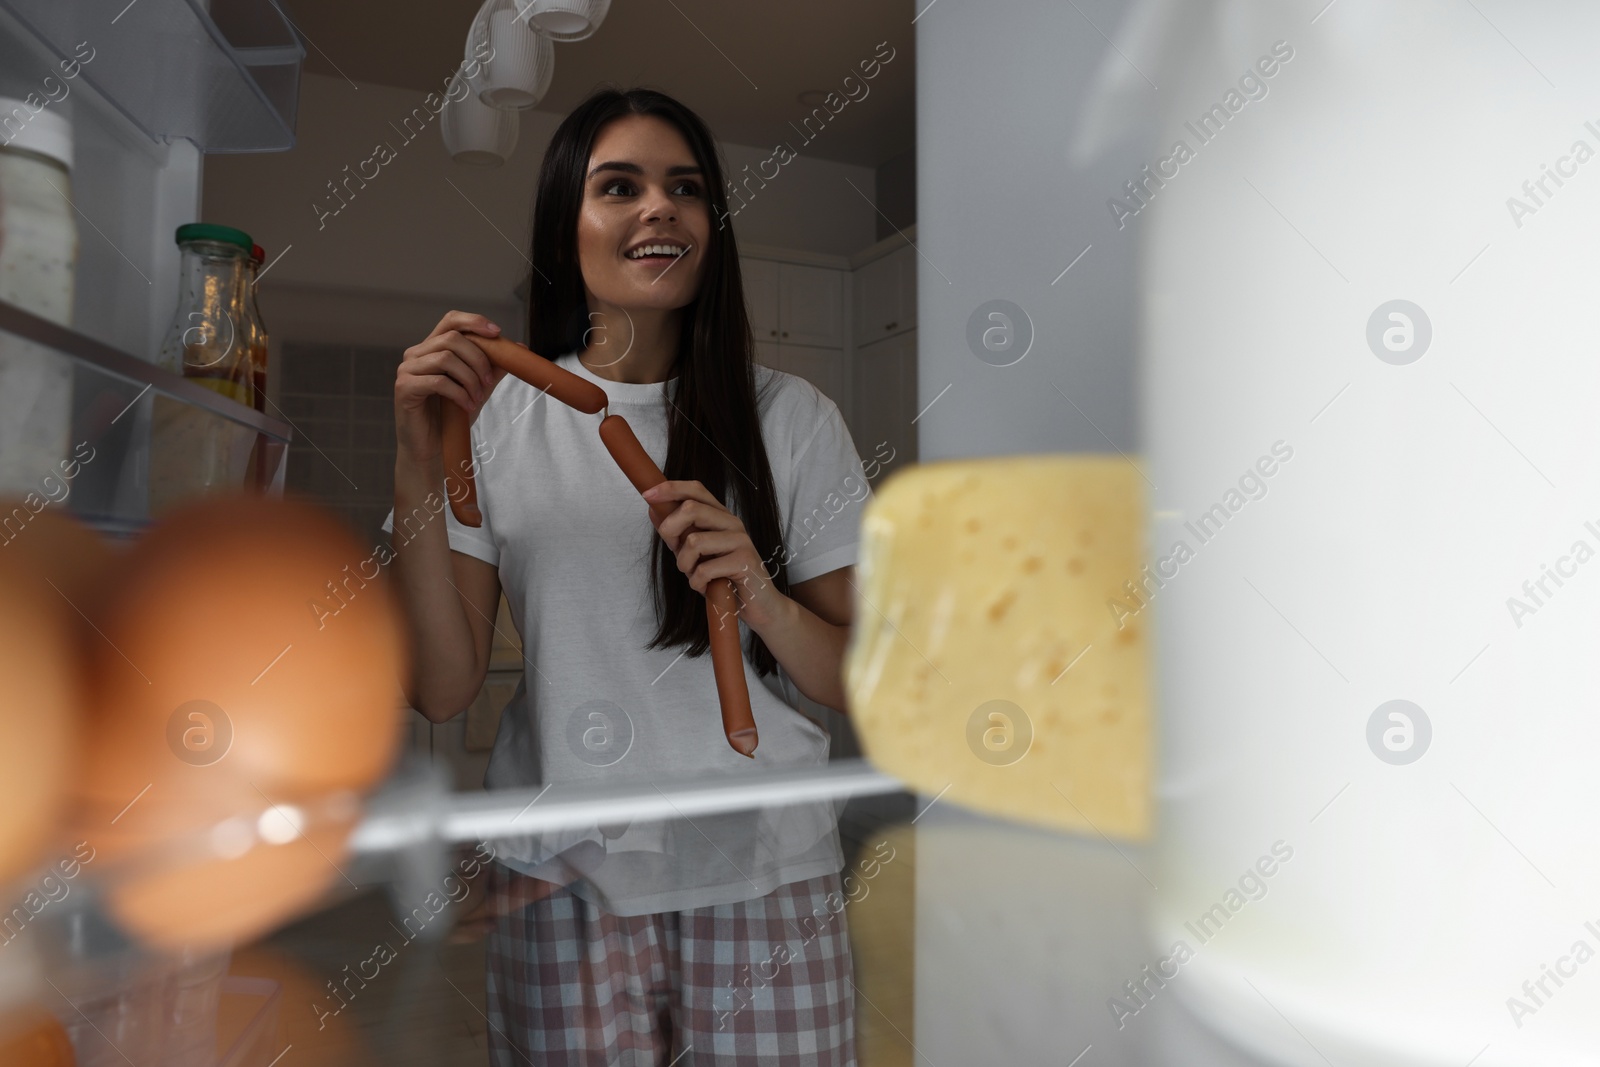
x: 986, y: 657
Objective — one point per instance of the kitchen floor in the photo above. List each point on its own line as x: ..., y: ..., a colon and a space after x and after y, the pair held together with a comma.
x: 425, y: 1006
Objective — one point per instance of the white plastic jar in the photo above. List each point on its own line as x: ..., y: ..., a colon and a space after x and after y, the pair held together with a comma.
x: 38, y: 258
x: 1354, y: 266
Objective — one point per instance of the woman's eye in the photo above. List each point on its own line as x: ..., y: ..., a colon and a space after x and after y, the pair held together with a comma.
x: 622, y: 187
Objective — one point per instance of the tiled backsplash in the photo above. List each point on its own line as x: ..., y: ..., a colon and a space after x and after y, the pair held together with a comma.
x: 340, y: 399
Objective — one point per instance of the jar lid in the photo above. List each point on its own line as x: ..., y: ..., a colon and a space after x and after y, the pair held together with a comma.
x: 210, y: 231
x: 43, y: 130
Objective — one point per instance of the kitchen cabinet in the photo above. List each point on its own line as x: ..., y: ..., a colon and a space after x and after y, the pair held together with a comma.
x: 761, y: 296
x: 885, y: 293
x: 822, y: 367
x: 797, y: 313
x: 810, y: 306
x: 850, y: 332
x: 794, y: 303
x: 885, y: 386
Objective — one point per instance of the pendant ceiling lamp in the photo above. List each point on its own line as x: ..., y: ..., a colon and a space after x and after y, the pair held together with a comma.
x: 475, y: 133
x: 565, y: 20
x: 521, y: 62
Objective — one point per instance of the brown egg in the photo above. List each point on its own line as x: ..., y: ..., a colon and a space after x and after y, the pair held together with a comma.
x: 201, y: 856
x: 230, y: 899
x: 75, y: 559
x: 251, y: 656
x: 39, y: 706
x: 31, y: 1037
x: 272, y: 613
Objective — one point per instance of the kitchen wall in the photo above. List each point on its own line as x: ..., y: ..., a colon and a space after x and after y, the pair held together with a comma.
x: 897, y: 193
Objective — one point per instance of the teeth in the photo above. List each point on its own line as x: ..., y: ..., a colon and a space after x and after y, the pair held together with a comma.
x: 667, y: 250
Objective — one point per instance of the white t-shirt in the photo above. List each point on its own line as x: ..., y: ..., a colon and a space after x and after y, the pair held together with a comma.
x: 572, y: 541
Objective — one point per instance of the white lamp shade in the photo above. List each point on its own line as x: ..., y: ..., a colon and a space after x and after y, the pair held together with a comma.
x: 475, y: 133
x: 522, y: 62
x: 565, y: 20
x: 478, y: 46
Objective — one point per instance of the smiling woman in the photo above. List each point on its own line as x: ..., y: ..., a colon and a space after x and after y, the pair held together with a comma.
x: 635, y: 292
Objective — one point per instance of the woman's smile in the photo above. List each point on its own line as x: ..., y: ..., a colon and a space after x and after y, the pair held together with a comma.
x: 657, y: 253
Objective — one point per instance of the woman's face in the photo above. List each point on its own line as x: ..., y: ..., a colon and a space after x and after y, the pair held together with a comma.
x: 642, y: 188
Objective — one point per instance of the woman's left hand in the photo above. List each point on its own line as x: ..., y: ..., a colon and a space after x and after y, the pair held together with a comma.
x: 710, y: 543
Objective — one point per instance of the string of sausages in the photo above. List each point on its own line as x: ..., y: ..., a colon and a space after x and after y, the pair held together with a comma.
x: 722, y: 601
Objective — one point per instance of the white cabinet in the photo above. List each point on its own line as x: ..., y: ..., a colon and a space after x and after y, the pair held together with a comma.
x: 810, y: 306
x: 849, y: 330
x: 794, y: 303
x: 886, y: 296
x: 884, y: 379
x: 822, y: 367
x: 797, y: 313
x: 875, y: 299
x: 761, y: 279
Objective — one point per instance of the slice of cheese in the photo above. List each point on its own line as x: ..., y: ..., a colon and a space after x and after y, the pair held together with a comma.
x: 986, y: 656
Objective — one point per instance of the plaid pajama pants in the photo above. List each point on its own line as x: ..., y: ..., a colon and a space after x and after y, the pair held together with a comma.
x: 765, y: 981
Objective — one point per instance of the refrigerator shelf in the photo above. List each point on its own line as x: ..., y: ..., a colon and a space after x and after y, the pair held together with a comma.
x: 130, y: 443
x: 228, y: 81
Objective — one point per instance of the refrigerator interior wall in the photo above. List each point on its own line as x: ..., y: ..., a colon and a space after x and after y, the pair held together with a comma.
x: 136, y: 196
x: 129, y: 193
x: 223, y: 75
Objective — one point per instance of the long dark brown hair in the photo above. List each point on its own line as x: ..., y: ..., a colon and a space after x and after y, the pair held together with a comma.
x: 713, y: 426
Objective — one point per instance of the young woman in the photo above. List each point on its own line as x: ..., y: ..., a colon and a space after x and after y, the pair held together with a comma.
x: 717, y: 939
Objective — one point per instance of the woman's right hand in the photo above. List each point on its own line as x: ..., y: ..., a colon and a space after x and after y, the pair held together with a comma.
x: 446, y: 368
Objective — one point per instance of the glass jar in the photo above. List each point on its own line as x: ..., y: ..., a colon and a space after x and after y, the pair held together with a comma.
x: 208, y: 339
x: 192, y: 450
x: 257, y: 330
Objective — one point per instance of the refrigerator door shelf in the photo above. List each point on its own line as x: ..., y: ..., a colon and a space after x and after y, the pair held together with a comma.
x: 141, y: 440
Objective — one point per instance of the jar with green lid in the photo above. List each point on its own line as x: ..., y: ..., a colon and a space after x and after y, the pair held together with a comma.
x: 194, y: 450
x: 207, y: 340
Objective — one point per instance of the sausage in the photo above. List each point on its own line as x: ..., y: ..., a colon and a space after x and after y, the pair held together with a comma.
x: 538, y: 372
x: 727, y: 663
x: 722, y: 601
x: 636, y: 464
